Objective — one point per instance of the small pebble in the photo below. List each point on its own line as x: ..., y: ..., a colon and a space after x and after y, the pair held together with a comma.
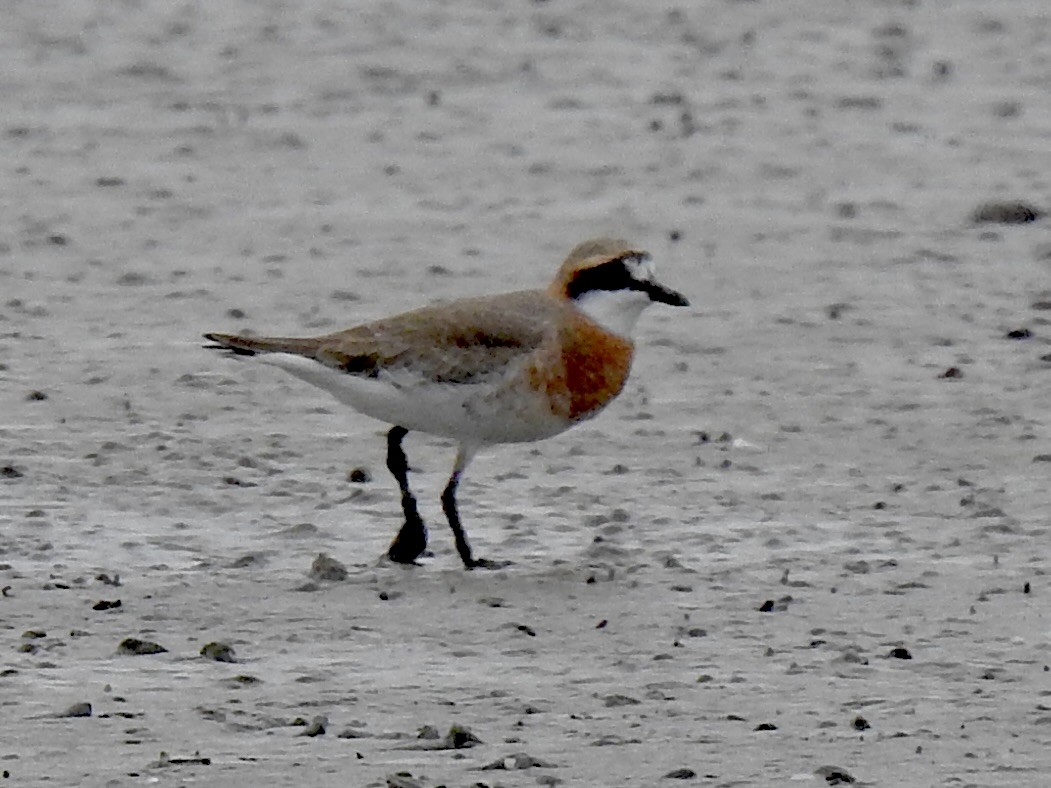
x: 680, y: 774
x: 900, y: 653
x: 1007, y: 212
x: 327, y: 568
x: 220, y: 652
x: 359, y: 476
x: 82, y: 709
x: 834, y: 775
x: 136, y: 647
x: 316, y: 727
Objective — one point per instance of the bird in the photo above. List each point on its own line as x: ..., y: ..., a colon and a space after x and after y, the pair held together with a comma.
x: 513, y: 367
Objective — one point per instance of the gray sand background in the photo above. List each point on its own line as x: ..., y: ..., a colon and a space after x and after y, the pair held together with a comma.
x: 805, y: 171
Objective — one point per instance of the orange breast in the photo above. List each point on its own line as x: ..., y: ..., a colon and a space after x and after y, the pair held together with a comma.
x: 588, y: 369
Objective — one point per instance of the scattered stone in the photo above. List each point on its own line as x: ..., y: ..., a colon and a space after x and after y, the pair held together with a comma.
x: 316, y: 727
x: 327, y: 568
x: 765, y: 726
x: 359, y: 476
x: 220, y: 652
x: 107, y: 580
x: 82, y: 709
x: 458, y: 738
x: 517, y: 761
x: 615, y: 700
x: 10, y: 472
x: 860, y: 724
x: 33, y: 634
x: 233, y: 481
x: 136, y: 647
x: 834, y: 775
x: 680, y: 774
x: 36, y: 396
x: 1007, y: 212
x: 166, y: 760
x: 106, y: 604
x: 403, y: 780
x: 900, y: 653
x: 1019, y: 333
x: 952, y: 373
x: 237, y: 682
x: 526, y: 629
x: 778, y: 606
x: 247, y: 560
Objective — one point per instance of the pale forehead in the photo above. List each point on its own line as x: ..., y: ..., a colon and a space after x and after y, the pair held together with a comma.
x: 639, y: 265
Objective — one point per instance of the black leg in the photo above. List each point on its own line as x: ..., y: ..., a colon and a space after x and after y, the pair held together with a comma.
x: 449, y: 507
x: 453, y: 515
x: 411, y: 540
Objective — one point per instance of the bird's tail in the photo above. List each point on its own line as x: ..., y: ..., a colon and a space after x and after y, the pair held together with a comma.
x: 249, y: 346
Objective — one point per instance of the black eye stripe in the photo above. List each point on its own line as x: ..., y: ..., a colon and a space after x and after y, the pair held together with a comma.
x: 612, y: 275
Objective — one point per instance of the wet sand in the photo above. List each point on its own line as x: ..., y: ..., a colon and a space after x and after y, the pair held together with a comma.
x: 807, y: 545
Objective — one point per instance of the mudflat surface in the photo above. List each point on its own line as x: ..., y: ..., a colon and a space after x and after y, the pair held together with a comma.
x: 716, y: 581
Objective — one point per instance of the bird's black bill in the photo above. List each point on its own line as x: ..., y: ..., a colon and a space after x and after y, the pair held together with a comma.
x: 665, y: 295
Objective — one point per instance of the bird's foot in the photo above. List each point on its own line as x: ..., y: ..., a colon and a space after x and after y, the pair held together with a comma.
x: 409, y: 544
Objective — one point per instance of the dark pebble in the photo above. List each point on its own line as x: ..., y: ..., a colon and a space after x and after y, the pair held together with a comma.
x: 680, y: 774
x: 136, y: 647
x: 614, y: 701
x: 518, y: 760
x: 220, y: 652
x: 952, y: 373
x: 775, y: 606
x: 765, y: 726
x: 1020, y: 333
x: 327, y: 568
x: 10, y: 472
x: 106, y: 604
x: 900, y: 653
x: 316, y: 727
x: 1005, y: 213
x: 77, y: 710
x: 527, y: 629
x: 834, y: 775
x: 359, y: 476
x: 36, y: 396
x: 860, y: 724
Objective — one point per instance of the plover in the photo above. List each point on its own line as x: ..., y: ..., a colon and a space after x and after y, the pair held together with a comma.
x: 506, y: 368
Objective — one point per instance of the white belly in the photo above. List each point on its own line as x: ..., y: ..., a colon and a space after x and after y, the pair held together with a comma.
x: 477, y: 413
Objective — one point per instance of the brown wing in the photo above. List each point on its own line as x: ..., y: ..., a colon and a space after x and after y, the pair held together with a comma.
x: 457, y: 342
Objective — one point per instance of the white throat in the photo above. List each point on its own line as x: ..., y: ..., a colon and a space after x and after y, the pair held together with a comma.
x: 616, y: 311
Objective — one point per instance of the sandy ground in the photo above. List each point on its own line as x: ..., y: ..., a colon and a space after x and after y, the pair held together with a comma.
x: 716, y: 581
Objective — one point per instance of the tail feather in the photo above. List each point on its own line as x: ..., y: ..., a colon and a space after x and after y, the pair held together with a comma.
x: 249, y: 346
